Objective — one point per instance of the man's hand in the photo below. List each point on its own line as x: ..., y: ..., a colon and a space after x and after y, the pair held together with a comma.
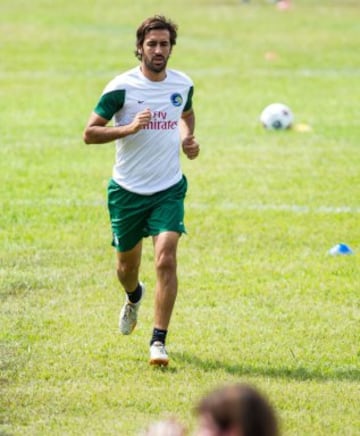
x: 190, y: 147
x: 141, y: 120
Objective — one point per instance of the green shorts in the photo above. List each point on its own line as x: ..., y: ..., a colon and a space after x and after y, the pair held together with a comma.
x: 134, y: 216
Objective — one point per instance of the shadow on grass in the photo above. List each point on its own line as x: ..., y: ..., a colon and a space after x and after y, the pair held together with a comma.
x: 287, y: 372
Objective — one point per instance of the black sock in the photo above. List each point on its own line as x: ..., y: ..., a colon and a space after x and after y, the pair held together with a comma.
x: 158, y: 336
x: 135, y: 296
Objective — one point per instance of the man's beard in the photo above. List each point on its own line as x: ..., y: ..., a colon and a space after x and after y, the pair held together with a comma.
x: 154, y: 67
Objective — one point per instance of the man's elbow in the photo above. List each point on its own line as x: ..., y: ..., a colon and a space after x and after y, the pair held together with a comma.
x: 87, y: 137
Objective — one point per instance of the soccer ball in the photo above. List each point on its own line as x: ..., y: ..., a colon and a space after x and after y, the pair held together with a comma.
x: 277, y: 116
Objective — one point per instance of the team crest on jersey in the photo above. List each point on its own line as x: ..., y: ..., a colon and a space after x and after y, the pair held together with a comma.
x: 176, y: 99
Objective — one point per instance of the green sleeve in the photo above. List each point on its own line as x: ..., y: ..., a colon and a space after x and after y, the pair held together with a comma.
x: 188, y: 104
x: 110, y: 103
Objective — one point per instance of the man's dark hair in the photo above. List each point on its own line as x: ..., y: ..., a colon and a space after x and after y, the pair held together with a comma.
x: 157, y: 22
x: 239, y: 407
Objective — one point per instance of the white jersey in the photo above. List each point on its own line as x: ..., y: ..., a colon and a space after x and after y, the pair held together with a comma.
x: 147, y: 161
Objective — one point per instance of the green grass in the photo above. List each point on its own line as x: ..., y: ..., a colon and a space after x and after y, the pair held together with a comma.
x: 260, y: 299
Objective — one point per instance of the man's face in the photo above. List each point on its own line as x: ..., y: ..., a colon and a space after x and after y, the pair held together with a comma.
x: 156, y: 50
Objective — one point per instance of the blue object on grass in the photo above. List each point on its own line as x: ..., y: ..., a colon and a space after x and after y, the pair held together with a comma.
x: 340, y: 249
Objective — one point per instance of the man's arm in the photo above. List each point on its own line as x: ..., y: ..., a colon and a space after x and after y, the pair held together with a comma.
x: 187, y: 127
x: 187, y: 123
x: 98, y: 132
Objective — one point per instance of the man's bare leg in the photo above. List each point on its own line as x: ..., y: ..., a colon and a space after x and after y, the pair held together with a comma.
x: 165, y: 245
x: 127, y: 268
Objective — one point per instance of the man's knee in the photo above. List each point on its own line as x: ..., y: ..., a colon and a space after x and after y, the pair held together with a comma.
x: 124, y: 268
x: 166, y: 261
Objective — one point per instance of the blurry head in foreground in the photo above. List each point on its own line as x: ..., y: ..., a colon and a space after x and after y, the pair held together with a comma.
x: 236, y: 410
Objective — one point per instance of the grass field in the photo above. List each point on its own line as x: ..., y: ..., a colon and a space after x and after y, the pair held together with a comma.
x: 260, y: 299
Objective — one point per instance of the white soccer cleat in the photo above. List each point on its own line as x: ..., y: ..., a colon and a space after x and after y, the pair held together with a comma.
x: 158, y: 354
x: 128, y: 314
